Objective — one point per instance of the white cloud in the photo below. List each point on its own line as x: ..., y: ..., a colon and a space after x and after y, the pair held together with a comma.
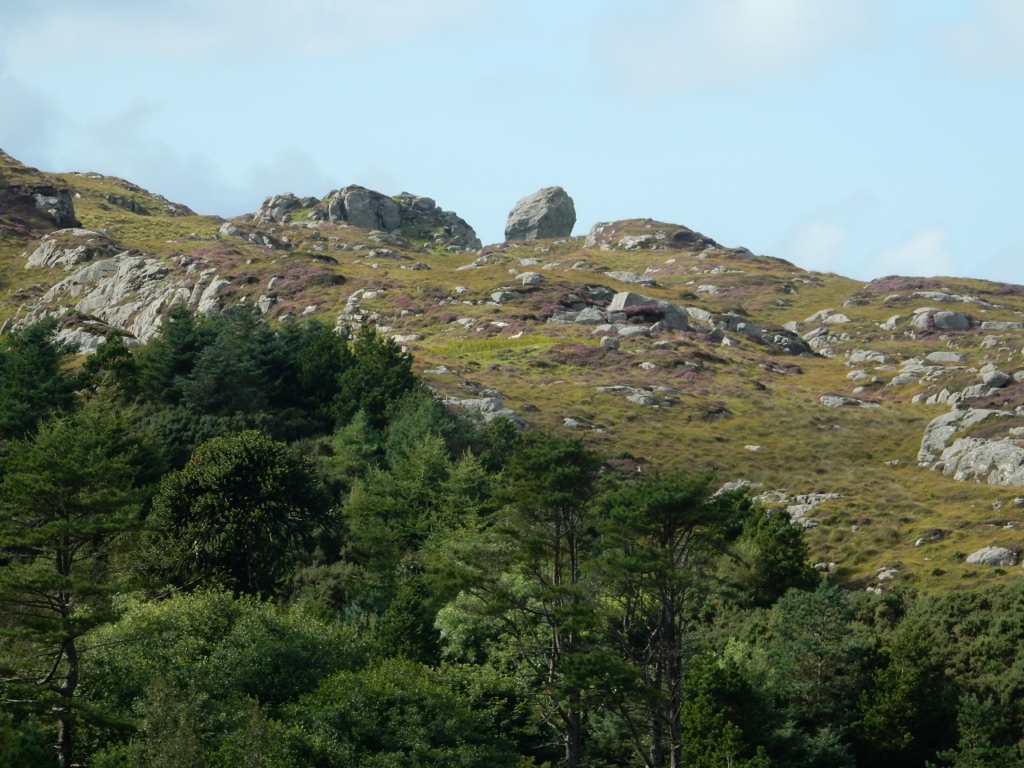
x: 990, y: 38
x: 230, y: 30
x: 817, y: 245
x: 28, y: 122
x: 693, y: 44
x: 923, y: 254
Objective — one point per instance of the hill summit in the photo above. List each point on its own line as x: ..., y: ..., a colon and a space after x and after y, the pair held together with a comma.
x: 885, y: 416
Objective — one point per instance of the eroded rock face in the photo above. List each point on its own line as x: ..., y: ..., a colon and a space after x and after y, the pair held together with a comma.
x: 56, y: 205
x: 423, y: 212
x: 998, y: 462
x: 942, y: 428
x: 548, y: 212
x: 68, y: 247
x: 277, y: 207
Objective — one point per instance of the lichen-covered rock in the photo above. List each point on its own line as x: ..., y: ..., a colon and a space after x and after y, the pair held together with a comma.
x: 999, y: 462
x: 942, y: 428
x: 941, y: 320
x: 68, y: 247
x: 943, y: 356
x: 276, y: 208
x: 548, y: 212
x: 996, y: 556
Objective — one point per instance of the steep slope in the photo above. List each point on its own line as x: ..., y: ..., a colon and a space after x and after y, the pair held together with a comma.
x: 655, y: 343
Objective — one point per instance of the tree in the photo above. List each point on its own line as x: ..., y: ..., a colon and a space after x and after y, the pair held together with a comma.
x: 172, y: 355
x: 982, y: 743
x: 771, y: 558
x: 525, y: 569
x: 377, y: 374
x: 660, y: 537
x: 33, y: 383
x: 240, y: 512
x: 67, y: 498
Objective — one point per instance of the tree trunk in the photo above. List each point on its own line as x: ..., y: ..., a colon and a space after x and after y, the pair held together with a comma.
x: 65, y: 725
x: 573, y: 738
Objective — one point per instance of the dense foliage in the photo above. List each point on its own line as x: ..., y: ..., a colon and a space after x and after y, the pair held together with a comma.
x: 248, y: 545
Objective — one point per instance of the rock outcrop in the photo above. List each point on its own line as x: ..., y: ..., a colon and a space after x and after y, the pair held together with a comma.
x: 548, y: 212
x: 69, y: 247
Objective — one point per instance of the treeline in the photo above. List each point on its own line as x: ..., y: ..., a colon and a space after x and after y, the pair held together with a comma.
x: 255, y: 545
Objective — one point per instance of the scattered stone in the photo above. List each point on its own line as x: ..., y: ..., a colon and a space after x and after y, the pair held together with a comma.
x: 994, y: 325
x: 634, y: 330
x: 943, y: 356
x: 590, y: 316
x: 861, y: 356
x: 631, y: 277
x: 836, y: 319
x: 838, y: 401
x: 530, y: 278
x: 996, y: 379
x: 609, y: 343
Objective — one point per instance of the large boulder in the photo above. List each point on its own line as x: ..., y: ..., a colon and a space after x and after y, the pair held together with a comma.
x: 360, y: 207
x: 547, y: 213
x: 992, y: 556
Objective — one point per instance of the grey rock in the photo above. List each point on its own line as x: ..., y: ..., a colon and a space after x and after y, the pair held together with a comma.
x: 945, y: 357
x: 548, y: 212
x: 999, y: 462
x: 275, y: 209
x: 56, y: 205
x: 998, y: 325
x: 634, y: 330
x: 631, y: 277
x: 590, y: 316
x: 942, y: 428
x: 490, y: 408
x: 861, y: 356
x: 265, y: 303
x: 675, y: 316
x: 360, y: 207
x: 69, y: 247
x: 996, y: 379
x: 609, y: 343
x: 942, y: 320
x: 230, y: 230
x: 951, y: 321
x: 563, y: 317
x: 838, y: 401
x: 641, y: 398
x: 940, y: 296
x: 209, y: 301
x: 83, y: 341
x: 835, y: 319
x: 530, y: 278
x: 500, y: 297
x: 997, y: 556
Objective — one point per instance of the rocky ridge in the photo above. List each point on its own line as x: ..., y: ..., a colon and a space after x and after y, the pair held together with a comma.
x: 649, y: 340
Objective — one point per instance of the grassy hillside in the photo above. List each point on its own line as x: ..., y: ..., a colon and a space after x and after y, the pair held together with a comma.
x: 748, y: 411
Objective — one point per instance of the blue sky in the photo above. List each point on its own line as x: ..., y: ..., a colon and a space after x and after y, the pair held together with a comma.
x: 863, y: 137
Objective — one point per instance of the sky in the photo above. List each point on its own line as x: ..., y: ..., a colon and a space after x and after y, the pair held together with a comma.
x: 862, y: 137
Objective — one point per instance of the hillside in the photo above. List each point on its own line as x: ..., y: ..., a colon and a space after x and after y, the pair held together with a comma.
x: 657, y: 345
